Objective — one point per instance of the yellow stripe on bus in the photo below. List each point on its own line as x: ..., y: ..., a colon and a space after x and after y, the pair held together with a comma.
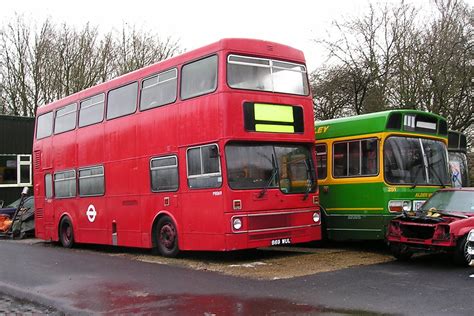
x: 274, y: 128
x: 273, y: 113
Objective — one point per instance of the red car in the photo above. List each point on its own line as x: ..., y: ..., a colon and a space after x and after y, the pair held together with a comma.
x: 442, y: 224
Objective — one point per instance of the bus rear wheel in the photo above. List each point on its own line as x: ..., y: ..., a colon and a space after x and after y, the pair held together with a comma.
x: 166, y: 237
x: 66, y: 233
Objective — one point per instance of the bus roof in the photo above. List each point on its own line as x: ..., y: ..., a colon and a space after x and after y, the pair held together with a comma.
x: 363, y: 124
x: 236, y: 45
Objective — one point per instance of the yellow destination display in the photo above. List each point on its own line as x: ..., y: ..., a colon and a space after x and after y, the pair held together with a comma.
x: 274, y: 113
x: 274, y: 128
x: 273, y: 118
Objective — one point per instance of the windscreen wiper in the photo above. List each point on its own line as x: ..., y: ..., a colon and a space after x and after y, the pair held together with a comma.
x: 416, y: 176
x: 270, y: 180
x: 430, y: 166
x: 310, y: 181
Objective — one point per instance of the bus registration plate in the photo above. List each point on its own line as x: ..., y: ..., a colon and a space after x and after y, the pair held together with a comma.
x: 279, y: 242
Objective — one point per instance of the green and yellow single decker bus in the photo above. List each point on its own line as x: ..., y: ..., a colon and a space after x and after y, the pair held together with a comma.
x: 372, y: 167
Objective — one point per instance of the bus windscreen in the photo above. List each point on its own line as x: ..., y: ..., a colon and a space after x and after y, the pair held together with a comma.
x: 262, y: 74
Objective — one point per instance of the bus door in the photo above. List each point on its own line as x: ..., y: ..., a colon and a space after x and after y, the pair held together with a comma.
x: 202, y: 206
x: 122, y: 189
x: 44, y: 206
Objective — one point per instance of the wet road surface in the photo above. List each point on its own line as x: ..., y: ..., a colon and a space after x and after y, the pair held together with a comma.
x: 87, y: 281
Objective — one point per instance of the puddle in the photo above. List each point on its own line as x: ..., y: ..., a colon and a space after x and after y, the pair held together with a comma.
x: 124, y: 299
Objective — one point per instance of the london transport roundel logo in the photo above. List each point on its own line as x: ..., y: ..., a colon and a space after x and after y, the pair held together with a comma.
x: 91, y: 213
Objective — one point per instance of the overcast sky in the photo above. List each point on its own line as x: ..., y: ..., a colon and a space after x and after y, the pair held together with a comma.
x: 196, y: 23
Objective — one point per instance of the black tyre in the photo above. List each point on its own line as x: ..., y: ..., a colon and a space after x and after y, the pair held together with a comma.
x: 166, y: 237
x: 461, y: 256
x: 66, y: 233
x: 401, y: 252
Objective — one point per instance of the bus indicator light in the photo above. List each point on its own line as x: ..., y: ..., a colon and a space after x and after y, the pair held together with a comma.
x: 316, y: 200
x: 237, y: 204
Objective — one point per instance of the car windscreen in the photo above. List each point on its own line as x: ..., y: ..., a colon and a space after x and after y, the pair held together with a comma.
x: 451, y: 201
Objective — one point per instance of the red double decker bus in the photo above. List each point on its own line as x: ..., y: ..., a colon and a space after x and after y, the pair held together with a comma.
x: 209, y: 150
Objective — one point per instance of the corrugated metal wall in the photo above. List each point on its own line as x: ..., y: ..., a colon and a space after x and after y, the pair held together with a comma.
x: 16, y: 137
x: 16, y: 134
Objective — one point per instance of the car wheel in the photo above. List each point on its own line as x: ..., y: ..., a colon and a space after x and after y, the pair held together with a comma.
x: 66, y: 233
x: 461, y: 255
x: 166, y: 237
x: 401, y: 252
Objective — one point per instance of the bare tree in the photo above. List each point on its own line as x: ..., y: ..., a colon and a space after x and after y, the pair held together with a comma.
x: 136, y: 49
x: 40, y: 65
x: 14, y: 48
x: 330, y: 88
x: 394, y: 59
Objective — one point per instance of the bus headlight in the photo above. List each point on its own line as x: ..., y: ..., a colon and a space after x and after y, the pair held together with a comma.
x: 316, y: 217
x: 395, y: 206
x: 407, y: 206
x: 237, y: 223
x: 399, y: 205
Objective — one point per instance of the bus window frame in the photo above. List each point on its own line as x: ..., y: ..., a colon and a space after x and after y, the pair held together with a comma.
x: 167, y: 167
x: 87, y: 99
x: 181, y: 77
x: 51, y: 182
x: 317, y: 159
x: 78, y: 176
x: 52, y: 125
x: 76, y: 111
x: 54, y: 186
x: 157, y: 75
x: 271, y: 60
x: 360, y: 155
x: 137, y: 97
x: 204, y: 175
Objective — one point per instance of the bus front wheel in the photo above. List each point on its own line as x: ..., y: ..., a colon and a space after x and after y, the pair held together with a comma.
x: 166, y: 237
x: 66, y: 233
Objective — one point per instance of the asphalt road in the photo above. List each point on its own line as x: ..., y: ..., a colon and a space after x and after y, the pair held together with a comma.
x: 81, y: 281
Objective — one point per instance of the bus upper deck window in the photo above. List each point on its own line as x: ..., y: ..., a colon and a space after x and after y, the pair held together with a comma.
x: 199, y: 77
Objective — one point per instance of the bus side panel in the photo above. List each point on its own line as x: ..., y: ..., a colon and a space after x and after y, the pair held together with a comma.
x: 202, y: 216
x: 90, y: 152
x: 65, y: 158
x: 121, y: 174
x: 203, y: 221
x: 157, y: 137
x: 91, y: 220
x: 201, y: 209
x: 354, y: 211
